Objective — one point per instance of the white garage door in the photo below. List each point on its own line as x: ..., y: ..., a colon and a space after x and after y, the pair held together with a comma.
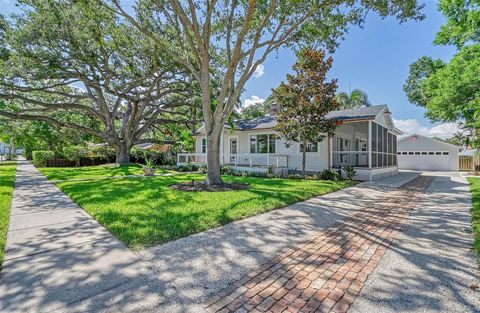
x: 425, y: 161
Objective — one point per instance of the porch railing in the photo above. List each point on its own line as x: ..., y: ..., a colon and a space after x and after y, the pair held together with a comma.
x: 238, y: 159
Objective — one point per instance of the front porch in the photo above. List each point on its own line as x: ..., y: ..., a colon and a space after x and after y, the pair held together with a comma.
x: 368, y: 147
x: 244, y: 161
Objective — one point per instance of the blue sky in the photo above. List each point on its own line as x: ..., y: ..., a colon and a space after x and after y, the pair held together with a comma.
x: 374, y: 59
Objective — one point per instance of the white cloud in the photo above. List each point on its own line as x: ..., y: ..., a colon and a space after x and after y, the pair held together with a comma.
x: 252, y: 100
x: 412, y: 126
x: 259, y: 71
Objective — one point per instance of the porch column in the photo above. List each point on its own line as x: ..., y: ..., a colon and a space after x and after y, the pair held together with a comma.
x: 369, y: 144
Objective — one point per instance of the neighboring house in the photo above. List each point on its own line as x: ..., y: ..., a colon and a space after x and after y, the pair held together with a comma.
x: 417, y: 152
x: 5, y: 149
x: 365, y: 138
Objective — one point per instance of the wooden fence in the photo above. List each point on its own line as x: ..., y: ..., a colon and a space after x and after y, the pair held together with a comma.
x: 468, y: 163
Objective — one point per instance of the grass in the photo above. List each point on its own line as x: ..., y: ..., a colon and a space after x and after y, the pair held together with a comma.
x: 65, y: 173
x: 145, y: 211
x: 475, y: 187
x: 7, y: 179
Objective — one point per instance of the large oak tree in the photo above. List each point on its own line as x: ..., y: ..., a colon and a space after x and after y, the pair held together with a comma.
x: 81, y: 58
x: 230, y: 39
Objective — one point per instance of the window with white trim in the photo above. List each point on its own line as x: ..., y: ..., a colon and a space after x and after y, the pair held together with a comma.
x: 204, y: 145
x: 263, y: 143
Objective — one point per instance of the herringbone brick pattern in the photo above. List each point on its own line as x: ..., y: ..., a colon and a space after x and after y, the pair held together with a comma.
x: 327, y: 273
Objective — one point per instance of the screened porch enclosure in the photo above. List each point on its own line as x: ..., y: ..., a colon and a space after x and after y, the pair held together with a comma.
x: 364, y: 144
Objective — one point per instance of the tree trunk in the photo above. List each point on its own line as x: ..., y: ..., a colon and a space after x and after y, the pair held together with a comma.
x: 122, y: 154
x: 213, y: 159
x: 304, y: 157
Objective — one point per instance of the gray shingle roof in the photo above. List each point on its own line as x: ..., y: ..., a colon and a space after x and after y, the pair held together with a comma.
x: 364, y: 112
x: 270, y: 121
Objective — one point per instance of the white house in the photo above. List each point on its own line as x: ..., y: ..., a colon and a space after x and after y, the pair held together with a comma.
x: 417, y: 152
x: 5, y: 149
x: 365, y: 138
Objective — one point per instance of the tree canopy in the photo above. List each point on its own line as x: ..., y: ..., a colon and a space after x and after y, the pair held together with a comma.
x: 81, y: 58
x: 305, y: 100
x: 355, y: 99
x: 450, y: 91
x: 230, y: 39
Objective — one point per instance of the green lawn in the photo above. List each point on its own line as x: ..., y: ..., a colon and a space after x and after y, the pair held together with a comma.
x: 475, y: 187
x: 7, y: 178
x: 145, y: 211
x: 64, y: 173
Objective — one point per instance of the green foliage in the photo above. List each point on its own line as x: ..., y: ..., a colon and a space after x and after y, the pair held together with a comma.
x: 451, y: 91
x: 173, y: 214
x: 149, y: 160
x: 40, y: 158
x: 7, y: 180
x: 258, y: 109
x: 305, y: 99
x: 475, y: 187
x: 349, y: 172
x: 356, y: 99
x: 463, y: 22
x: 330, y: 175
x: 74, y: 153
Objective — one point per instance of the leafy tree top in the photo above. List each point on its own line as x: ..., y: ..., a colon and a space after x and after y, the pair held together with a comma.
x: 306, y: 98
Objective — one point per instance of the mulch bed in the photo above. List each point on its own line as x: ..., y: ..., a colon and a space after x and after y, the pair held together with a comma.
x: 201, y: 186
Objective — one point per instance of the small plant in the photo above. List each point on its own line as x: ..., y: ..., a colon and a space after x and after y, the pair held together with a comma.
x: 326, y: 175
x: 149, y: 168
x: 202, y: 169
x: 270, y: 170
x: 349, y: 172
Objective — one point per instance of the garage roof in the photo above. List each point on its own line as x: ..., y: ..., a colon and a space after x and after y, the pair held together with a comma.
x: 428, y: 138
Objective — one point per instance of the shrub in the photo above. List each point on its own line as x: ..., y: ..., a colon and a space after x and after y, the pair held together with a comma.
x: 74, y: 153
x: 40, y: 158
x: 226, y: 170
x: 189, y: 167
x: 330, y: 175
x: 349, y: 172
x: 203, y: 169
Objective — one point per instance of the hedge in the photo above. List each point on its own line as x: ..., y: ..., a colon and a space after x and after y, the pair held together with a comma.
x: 40, y: 158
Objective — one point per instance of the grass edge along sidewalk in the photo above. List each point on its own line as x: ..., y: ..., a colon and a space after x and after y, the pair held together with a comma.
x: 7, y: 181
x: 475, y: 188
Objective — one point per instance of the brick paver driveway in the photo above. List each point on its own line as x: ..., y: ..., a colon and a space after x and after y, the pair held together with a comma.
x: 329, y: 272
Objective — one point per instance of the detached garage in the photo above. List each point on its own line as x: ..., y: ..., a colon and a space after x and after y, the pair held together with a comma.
x: 417, y: 152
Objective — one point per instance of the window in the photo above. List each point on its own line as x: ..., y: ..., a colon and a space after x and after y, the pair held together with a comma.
x: 311, y: 147
x: 404, y: 153
x: 438, y: 153
x: 271, y: 143
x: 253, y: 144
x: 424, y: 153
x: 204, y: 145
x: 264, y: 143
x: 410, y: 153
x: 431, y: 153
x: 417, y: 153
x: 399, y: 153
x: 445, y: 153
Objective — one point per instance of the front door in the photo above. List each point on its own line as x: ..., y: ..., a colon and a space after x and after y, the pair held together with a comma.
x: 233, y: 150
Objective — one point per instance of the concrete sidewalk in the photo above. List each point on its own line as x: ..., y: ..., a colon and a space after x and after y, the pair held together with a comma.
x: 56, y: 253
